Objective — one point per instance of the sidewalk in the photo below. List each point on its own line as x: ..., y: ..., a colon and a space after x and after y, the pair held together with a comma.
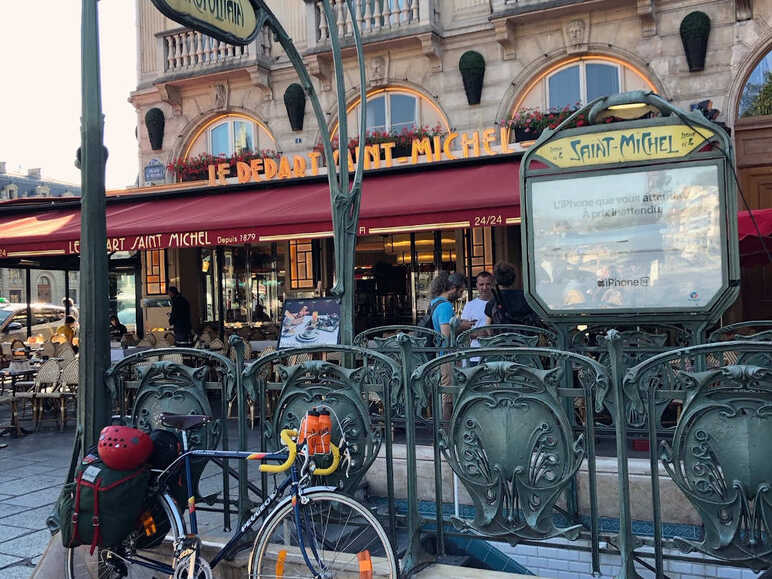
x: 32, y: 470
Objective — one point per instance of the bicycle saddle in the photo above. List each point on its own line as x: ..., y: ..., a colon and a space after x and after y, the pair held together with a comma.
x: 183, y: 421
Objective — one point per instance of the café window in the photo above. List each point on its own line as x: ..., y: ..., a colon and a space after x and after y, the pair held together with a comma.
x: 479, y: 245
x: 580, y: 80
x: 155, y: 272
x: 756, y: 99
x: 231, y: 134
x: 394, y: 110
x: 301, y: 264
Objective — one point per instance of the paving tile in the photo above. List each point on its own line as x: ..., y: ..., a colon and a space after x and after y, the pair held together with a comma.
x: 6, y: 560
x: 30, y: 519
x: 20, y: 571
x: 37, y: 498
x: 8, y: 532
x: 27, y: 546
x: 7, y: 509
x: 29, y: 484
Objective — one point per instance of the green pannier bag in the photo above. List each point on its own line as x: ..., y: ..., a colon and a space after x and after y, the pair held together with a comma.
x: 101, y: 507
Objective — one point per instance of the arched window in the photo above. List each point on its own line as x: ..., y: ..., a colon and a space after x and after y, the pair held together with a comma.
x: 581, y: 83
x: 395, y: 109
x: 580, y: 80
x: 756, y: 98
x: 229, y: 134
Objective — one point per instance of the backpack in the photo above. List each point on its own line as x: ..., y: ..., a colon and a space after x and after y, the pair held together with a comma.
x: 101, y: 506
x: 428, y: 322
x: 500, y: 314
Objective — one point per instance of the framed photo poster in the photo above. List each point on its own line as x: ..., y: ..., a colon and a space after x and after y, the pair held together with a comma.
x: 309, y: 322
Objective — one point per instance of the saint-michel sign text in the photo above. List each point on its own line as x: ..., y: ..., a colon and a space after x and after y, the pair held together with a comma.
x: 625, y: 145
x: 232, y: 21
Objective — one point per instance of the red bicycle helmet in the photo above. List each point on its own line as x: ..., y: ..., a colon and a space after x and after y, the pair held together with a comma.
x: 123, y: 447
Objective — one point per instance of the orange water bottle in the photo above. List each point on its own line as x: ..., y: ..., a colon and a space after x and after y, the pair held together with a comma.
x: 325, y: 430
x: 312, y: 434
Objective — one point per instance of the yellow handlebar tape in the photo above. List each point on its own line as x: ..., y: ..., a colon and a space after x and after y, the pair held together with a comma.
x: 292, y: 451
x: 335, y: 462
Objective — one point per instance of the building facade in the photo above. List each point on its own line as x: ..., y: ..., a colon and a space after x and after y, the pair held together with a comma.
x: 47, y: 286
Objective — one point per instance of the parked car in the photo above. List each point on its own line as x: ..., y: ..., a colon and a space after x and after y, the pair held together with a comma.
x: 46, y: 319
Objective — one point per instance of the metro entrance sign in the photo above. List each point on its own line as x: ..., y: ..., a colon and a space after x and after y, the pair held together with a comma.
x: 635, y: 218
x: 231, y: 21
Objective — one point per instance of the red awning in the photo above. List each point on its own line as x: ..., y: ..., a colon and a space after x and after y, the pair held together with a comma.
x: 751, y: 248
x: 433, y: 198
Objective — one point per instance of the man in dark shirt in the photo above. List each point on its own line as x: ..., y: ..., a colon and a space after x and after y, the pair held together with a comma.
x: 179, y: 317
x: 508, y: 305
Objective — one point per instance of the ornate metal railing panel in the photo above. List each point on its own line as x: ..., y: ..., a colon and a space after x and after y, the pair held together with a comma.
x: 500, y: 335
x: 355, y: 386
x: 506, y: 434
x: 718, y: 455
x: 424, y: 344
x: 179, y: 381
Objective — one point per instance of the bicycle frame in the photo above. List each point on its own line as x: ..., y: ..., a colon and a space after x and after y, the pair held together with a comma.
x: 292, y: 480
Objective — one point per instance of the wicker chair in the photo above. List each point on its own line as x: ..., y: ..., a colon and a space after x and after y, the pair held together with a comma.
x: 57, y: 397
x: 46, y: 380
x: 65, y: 353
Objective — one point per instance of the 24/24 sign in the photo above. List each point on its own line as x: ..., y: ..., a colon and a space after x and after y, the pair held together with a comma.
x: 232, y: 21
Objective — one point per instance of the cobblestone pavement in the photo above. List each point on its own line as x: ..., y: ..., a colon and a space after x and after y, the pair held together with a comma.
x: 32, y: 470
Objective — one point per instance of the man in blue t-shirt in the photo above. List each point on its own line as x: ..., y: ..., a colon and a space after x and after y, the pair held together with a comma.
x: 446, y: 288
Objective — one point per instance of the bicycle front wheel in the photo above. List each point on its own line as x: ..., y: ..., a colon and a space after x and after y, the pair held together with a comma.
x: 338, y: 538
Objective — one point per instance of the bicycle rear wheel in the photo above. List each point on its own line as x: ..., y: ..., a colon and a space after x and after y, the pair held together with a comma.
x: 112, y: 564
x: 340, y: 536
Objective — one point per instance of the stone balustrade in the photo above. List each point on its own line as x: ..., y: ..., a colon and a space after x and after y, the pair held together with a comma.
x: 186, y: 50
x: 374, y: 18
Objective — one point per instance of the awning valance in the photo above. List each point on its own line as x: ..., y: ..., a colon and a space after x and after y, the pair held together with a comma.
x: 435, y: 198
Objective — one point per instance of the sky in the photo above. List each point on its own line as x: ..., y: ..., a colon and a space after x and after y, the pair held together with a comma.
x: 40, y: 101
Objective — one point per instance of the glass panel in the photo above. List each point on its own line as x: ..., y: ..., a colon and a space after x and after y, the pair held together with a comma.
x: 242, y: 136
x: 376, y: 114
x: 236, y: 285
x: 403, y: 112
x: 208, y: 273
x: 602, y: 80
x: 123, y: 298
x: 264, y: 286
x: 756, y: 99
x: 155, y: 272
x: 220, y: 145
x: 657, y: 245
x: 564, y: 88
x: 302, y: 264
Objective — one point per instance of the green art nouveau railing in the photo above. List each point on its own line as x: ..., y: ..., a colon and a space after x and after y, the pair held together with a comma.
x: 517, y: 426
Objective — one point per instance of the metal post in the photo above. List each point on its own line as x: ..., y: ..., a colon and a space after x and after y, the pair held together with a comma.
x: 93, y: 407
x: 28, y: 284
x: 66, y: 292
x: 626, y: 543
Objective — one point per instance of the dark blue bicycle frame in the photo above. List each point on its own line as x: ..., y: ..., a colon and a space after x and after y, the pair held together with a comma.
x: 292, y: 480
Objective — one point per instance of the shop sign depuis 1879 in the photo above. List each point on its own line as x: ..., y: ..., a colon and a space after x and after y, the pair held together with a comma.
x: 231, y: 21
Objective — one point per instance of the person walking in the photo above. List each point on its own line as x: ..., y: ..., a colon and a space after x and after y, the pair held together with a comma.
x: 179, y: 317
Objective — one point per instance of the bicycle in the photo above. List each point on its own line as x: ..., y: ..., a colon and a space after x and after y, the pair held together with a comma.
x: 311, y: 532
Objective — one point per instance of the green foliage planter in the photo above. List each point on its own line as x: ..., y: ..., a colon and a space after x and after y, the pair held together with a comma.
x: 155, y: 122
x: 295, y: 101
x: 472, y: 67
x: 695, y: 29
